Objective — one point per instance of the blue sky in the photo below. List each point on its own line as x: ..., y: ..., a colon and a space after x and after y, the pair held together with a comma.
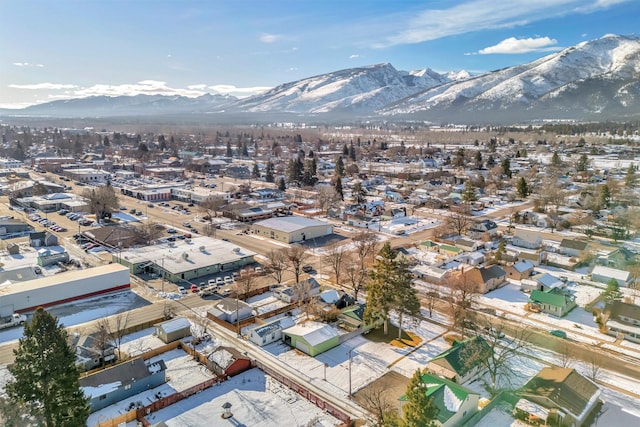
x: 73, y: 48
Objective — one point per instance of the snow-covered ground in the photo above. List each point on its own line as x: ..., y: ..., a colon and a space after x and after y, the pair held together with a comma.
x: 256, y: 399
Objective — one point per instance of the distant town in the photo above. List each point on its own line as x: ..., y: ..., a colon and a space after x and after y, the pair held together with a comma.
x: 319, y: 275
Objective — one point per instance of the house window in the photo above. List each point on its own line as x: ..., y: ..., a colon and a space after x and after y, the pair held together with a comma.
x: 127, y: 387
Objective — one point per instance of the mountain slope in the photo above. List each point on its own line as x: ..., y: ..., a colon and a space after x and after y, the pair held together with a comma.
x: 591, y: 77
x: 359, y: 90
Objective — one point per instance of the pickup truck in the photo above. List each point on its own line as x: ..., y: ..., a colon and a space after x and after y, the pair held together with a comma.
x: 14, y: 320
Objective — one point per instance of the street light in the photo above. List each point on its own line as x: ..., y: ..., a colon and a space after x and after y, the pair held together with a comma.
x: 350, y: 350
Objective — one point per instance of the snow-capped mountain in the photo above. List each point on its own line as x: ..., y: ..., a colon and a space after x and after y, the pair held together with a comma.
x: 597, y: 77
x: 359, y: 90
x: 137, y: 105
x: 595, y: 80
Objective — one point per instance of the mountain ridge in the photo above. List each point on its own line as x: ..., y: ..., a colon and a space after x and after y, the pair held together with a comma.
x: 597, y: 79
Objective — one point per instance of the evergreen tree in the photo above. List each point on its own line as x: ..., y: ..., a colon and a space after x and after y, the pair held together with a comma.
x: 359, y: 193
x: 555, y: 160
x: 338, y: 187
x: 469, y: 193
x: 45, y: 377
x: 352, y: 152
x: 311, y: 154
x: 229, y: 150
x: 420, y: 410
x: 630, y: 178
x: 612, y: 292
x: 506, y: 167
x: 339, y: 171
x: 522, y: 188
x: 478, y: 159
x: 308, y: 175
x: 255, y: 173
x: 105, y: 141
x: 605, y: 196
x: 245, y: 150
x: 390, y: 287
x: 269, y: 172
x: 583, y: 163
x: 502, y: 249
x: 345, y: 150
x: 282, y: 186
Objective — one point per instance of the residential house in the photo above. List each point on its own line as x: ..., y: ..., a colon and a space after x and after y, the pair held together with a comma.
x: 119, y: 382
x: 526, y: 239
x: 558, y: 396
x: 547, y: 281
x: 93, y: 350
x: 430, y: 274
x: 455, y: 403
x: 449, y: 250
x: 621, y: 258
x: 456, y: 365
x: 557, y: 301
x: 307, y: 288
x: 270, y: 331
x: 428, y: 246
x: 227, y: 361
x: 311, y: 338
x: 485, y: 278
x: 483, y: 230
x: 472, y: 258
x: 467, y: 245
x: 13, y: 226
x: 573, y: 247
x: 520, y: 270
x: 230, y: 310
x: 603, y: 274
x: 173, y: 329
x: 352, y: 318
x: 623, y: 320
x: 42, y: 238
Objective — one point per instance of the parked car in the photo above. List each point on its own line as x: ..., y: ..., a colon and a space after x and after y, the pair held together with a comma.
x: 219, y: 281
x: 228, y: 280
x: 186, y: 224
x: 558, y: 333
x: 194, y: 288
x: 182, y: 290
x: 172, y: 231
x: 307, y: 268
x: 212, y: 282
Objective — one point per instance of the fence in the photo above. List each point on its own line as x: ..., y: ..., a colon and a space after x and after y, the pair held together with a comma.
x: 141, y: 413
x: 302, y: 391
x: 120, y: 419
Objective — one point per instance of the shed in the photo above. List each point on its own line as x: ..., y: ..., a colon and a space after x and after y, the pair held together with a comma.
x: 228, y: 361
x: 173, y: 329
x: 270, y: 332
x: 312, y: 338
x: 13, y: 249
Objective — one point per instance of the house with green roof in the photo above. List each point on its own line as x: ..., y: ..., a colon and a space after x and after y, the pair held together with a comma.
x: 555, y: 301
x: 454, y: 363
x: 449, y: 250
x: 455, y: 403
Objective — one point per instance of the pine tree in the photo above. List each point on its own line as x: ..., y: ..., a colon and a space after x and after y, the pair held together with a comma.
x: 522, y: 188
x: 630, y: 178
x: 229, y: 150
x: 612, y: 292
x: 506, y: 167
x: 469, y: 193
x: 582, y: 163
x: 605, y: 196
x: 555, y: 160
x: 282, y: 186
x: 339, y: 167
x: 352, y: 152
x: 45, y: 376
x: 338, y: 187
x: 359, y: 194
x: 419, y: 411
x: 255, y: 173
x: 269, y: 172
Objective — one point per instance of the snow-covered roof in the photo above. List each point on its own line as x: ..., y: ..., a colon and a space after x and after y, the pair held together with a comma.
x: 291, y: 223
x: 313, y: 332
x: 174, y: 325
x: 613, y: 273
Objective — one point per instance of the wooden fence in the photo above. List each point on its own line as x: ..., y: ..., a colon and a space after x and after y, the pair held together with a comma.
x: 120, y: 419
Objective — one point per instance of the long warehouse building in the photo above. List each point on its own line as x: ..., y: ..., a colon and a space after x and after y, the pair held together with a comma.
x: 62, y: 288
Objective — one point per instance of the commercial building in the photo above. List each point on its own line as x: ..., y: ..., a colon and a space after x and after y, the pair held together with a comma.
x: 185, y: 260
x: 292, y: 229
x: 88, y: 175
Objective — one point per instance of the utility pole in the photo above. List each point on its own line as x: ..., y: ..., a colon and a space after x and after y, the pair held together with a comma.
x: 350, y: 373
x: 162, y: 275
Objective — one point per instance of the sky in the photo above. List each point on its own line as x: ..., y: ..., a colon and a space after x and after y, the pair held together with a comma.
x: 62, y: 49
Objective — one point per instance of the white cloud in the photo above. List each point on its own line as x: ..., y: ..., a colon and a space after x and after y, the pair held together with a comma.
x: 45, y: 86
x: 238, y: 91
x: 354, y: 56
x: 144, y: 87
x: 478, y: 15
x: 27, y: 64
x: 197, y: 87
x: 514, y: 45
x: 269, y: 38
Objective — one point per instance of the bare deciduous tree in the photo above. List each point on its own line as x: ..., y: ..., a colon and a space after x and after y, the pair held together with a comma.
x: 149, y: 231
x: 115, y: 328
x: 377, y: 400
x: 296, y: 256
x: 459, y: 222
x: 102, y: 201
x: 276, y: 264
x: 334, y: 257
x: 211, y: 207
x: 462, y: 295
x: 594, y: 366
x: 245, y: 284
x: 366, y: 245
x: 566, y: 354
x: 355, y: 274
x: 326, y: 196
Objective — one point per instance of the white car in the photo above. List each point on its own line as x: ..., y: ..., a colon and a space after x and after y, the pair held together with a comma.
x: 182, y: 290
x: 219, y: 281
x: 228, y: 280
